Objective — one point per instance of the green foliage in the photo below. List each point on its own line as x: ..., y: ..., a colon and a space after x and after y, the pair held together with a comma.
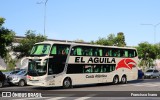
x: 79, y: 40
x: 148, y: 53
x: 120, y: 39
x: 23, y: 49
x: 157, y: 48
x: 6, y: 38
x: 111, y: 40
x: 1, y: 21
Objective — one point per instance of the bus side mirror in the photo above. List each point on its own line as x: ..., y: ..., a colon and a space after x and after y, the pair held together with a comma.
x: 43, y: 59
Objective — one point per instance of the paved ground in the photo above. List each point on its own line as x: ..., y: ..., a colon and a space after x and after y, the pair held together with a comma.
x: 148, y: 89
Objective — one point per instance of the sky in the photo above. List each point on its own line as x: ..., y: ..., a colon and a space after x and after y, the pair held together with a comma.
x: 86, y: 20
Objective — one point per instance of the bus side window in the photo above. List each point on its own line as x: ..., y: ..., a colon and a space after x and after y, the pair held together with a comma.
x: 131, y: 53
x: 95, y: 53
x: 110, y: 52
x: 63, y: 52
x: 114, y: 53
x: 67, y: 50
x: 126, y: 53
x: 122, y: 53
x: 79, y: 51
x: 104, y: 69
x: 118, y: 53
x: 100, y: 52
x: 88, y: 69
x: 54, y: 50
x: 90, y: 52
x: 96, y: 69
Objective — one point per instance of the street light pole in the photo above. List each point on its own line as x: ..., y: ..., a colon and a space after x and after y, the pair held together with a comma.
x: 154, y: 28
x: 45, y: 17
x: 45, y: 5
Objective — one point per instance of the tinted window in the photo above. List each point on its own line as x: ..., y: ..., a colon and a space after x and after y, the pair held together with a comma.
x: 99, y: 51
x: 40, y: 49
x: 156, y: 71
x: 79, y: 68
x: 59, y: 49
x: 149, y: 71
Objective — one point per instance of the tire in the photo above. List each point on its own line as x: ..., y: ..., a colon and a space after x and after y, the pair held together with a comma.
x: 124, y: 80
x: 21, y: 83
x: 115, y: 80
x: 1, y: 84
x: 67, y: 83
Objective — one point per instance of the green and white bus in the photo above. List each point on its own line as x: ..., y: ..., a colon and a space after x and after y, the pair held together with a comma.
x: 66, y: 64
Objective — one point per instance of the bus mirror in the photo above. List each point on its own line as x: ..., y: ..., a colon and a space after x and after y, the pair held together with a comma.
x: 42, y: 63
x: 43, y: 60
x: 23, y: 59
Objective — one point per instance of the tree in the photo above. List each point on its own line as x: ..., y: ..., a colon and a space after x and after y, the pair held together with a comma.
x: 111, y: 40
x: 157, y: 46
x: 25, y: 45
x: 147, y: 53
x: 120, y: 39
x: 105, y: 41
x: 79, y: 40
x: 6, y: 38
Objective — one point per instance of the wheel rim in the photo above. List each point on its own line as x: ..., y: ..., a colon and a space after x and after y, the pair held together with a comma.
x: 67, y: 83
x: 123, y: 79
x: 115, y: 80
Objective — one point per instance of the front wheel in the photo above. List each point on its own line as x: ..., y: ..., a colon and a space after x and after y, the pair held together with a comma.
x: 67, y: 83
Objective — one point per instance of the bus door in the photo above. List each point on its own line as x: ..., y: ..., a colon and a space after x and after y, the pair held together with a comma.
x: 57, y: 60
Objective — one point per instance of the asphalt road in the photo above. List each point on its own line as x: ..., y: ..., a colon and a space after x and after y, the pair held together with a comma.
x: 147, y: 89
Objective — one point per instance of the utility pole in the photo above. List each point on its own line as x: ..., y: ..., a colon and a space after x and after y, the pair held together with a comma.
x: 154, y: 28
x: 45, y: 17
x: 45, y: 5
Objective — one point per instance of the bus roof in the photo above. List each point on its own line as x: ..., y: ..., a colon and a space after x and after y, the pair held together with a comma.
x: 82, y: 44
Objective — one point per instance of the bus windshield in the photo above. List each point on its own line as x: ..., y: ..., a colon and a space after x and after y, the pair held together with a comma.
x: 40, y: 49
x: 35, y: 69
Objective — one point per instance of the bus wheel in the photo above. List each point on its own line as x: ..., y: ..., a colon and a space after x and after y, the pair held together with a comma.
x: 115, y: 80
x: 124, y: 80
x: 67, y: 83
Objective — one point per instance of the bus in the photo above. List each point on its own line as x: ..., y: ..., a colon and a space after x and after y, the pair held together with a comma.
x: 66, y: 64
